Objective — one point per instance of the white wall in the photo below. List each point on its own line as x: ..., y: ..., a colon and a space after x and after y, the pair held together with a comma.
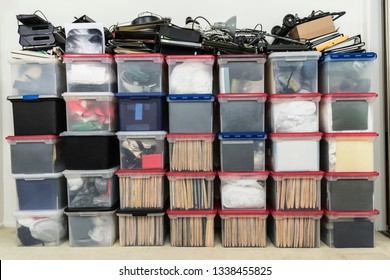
x: 362, y: 17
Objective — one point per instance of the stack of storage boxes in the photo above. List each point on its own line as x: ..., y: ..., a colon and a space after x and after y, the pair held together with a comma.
x: 37, y: 152
x: 347, y: 149
x: 242, y: 150
x: 191, y: 137
x: 142, y: 86
x: 89, y: 144
x: 293, y: 154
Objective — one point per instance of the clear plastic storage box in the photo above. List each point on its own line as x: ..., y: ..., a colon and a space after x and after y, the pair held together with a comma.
x: 36, y: 154
x: 142, y: 112
x: 145, y: 190
x: 243, y: 190
x: 40, y: 77
x: 347, y: 112
x: 348, y: 152
x: 41, y: 191
x: 193, y: 228
x: 295, y: 229
x: 142, y: 150
x: 191, y: 190
x: 242, y: 112
x: 41, y: 227
x: 141, y: 73
x: 349, y: 229
x: 90, y: 73
x: 190, y: 74
x: 92, y: 188
x: 295, y: 151
x: 92, y: 111
x: 348, y: 191
x: 346, y: 72
x: 142, y: 228
x: 241, y: 73
x: 295, y: 190
x: 243, y: 228
x: 38, y: 114
x: 293, y: 112
x: 292, y: 72
x: 191, y: 113
x: 92, y: 228
x: 242, y: 151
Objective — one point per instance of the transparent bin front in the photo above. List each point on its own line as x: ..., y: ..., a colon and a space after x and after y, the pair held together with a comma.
x: 346, y: 72
x: 190, y: 74
x: 293, y: 112
x: 41, y: 77
x: 292, y: 72
x: 243, y: 190
x: 141, y: 73
x: 241, y: 73
x: 91, y: 112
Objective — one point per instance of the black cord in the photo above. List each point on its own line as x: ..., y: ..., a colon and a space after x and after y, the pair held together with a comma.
x: 194, y: 20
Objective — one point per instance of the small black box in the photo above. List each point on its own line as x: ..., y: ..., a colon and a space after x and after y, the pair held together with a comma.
x: 34, y: 115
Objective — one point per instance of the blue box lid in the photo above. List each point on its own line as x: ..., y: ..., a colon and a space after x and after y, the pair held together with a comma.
x: 348, y: 56
x: 190, y: 97
x: 242, y: 135
x: 141, y: 94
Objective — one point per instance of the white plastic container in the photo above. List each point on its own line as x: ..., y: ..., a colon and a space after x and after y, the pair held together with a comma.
x: 347, y: 112
x: 297, y: 151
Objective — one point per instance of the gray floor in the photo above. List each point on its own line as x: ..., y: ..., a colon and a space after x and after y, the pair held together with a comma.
x: 9, y: 251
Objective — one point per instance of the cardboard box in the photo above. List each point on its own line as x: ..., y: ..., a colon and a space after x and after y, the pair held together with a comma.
x: 313, y: 28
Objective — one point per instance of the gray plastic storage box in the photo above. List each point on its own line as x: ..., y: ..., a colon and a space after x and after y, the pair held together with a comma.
x: 36, y: 154
x: 242, y: 112
x: 241, y: 73
x: 191, y: 113
x: 41, y: 191
x: 41, y: 77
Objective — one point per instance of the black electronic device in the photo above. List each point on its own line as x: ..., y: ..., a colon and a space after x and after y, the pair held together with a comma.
x: 30, y: 19
x: 180, y: 34
x: 36, y: 29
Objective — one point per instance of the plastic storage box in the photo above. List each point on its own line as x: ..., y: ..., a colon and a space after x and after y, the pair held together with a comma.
x: 142, y: 189
x: 192, y: 228
x: 41, y: 191
x: 347, y: 112
x: 243, y: 190
x: 348, y: 191
x: 242, y: 151
x: 191, y: 190
x: 141, y: 73
x: 241, y: 73
x: 92, y: 111
x: 355, y: 229
x: 92, y: 228
x: 190, y: 74
x: 295, y: 190
x: 90, y: 150
x: 242, y: 112
x: 191, y: 113
x: 244, y: 228
x: 38, y: 114
x: 295, y: 151
x: 92, y: 188
x: 293, y: 112
x: 142, y: 150
x: 90, y: 72
x: 295, y: 229
x: 36, y: 154
x: 142, y: 228
x: 348, y: 152
x: 142, y: 112
x: 41, y: 227
x: 191, y: 152
x: 41, y: 77
x: 346, y: 72
x: 292, y: 72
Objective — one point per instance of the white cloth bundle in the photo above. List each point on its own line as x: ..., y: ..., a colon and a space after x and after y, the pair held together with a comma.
x: 243, y: 194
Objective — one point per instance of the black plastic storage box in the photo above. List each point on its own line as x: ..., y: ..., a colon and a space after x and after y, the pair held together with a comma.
x: 142, y: 112
x: 38, y: 114
x: 90, y: 151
